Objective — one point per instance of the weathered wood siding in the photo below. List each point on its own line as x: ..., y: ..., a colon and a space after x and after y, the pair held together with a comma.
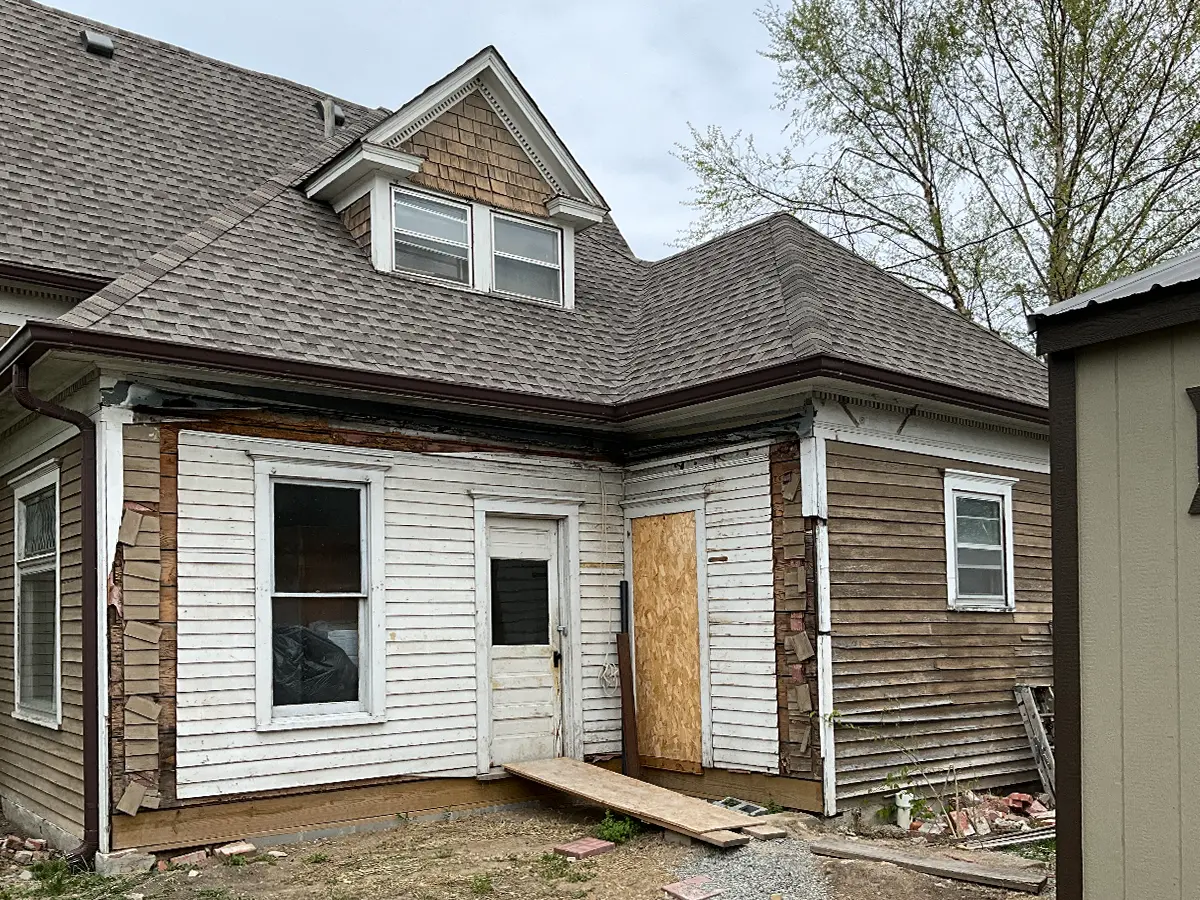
x: 917, y: 684
x: 1139, y: 616
x: 41, y: 769
x: 431, y: 683
x: 741, y: 604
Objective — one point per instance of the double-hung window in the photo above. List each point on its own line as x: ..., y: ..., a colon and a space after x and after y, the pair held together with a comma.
x: 318, y: 538
x: 433, y: 237
x: 37, y: 633
x: 979, y: 541
x: 526, y: 259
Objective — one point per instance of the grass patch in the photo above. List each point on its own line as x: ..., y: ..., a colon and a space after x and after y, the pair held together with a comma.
x: 213, y: 893
x: 1042, y: 851
x: 481, y: 884
x: 54, y: 878
x: 315, y: 859
x: 617, y: 829
x: 237, y: 861
x: 553, y: 866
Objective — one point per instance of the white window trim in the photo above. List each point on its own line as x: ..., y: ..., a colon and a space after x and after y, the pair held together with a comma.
x: 561, y: 267
x: 327, y: 468
x: 991, y: 487
x: 472, y: 261
x: 24, y: 485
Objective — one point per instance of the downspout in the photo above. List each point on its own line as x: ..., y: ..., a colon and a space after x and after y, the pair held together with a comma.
x: 83, y: 854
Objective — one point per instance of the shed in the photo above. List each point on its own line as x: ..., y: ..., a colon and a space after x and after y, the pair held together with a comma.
x: 1124, y: 394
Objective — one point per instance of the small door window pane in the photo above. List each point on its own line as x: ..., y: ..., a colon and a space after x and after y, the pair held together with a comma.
x: 36, y: 629
x: 979, y: 547
x: 418, y: 215
x: 318, y: 539
x: 316, y: 644
x: 432, y: 238
x: 520, y: 602
x: 39, y: 533
x: 980, y: 582
x: 978, y: 521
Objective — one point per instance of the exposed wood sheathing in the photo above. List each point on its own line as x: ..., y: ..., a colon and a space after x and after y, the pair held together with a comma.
x: 41, y: 769
x: 795, y: 619
x: 666, y: 629
x: 470, y: 153
x: 917, y: 685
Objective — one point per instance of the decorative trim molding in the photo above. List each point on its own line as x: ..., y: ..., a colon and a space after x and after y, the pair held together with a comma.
x: 504, y: 117
x: 433, y: 113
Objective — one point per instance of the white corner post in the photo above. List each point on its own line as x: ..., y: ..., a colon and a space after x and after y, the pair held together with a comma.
x: 110, y: 504
x: 813, y: 505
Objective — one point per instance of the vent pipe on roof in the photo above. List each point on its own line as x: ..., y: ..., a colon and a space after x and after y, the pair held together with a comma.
x: 332, y: 115
x: 97, y: 43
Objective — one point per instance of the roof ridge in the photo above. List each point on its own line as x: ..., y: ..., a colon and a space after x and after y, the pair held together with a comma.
x: 723, y: 236
x: 119, y: 292
x: 803, y: 310
x: 116, y: 29
x: 908, y: 288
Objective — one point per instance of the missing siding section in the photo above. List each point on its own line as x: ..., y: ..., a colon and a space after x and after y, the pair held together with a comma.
x: 357, y: 219
x: 795, y: 618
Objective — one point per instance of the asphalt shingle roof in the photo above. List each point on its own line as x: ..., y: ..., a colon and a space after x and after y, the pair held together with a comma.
x: 269, y: 272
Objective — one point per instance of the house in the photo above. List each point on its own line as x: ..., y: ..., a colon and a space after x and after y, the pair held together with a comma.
x: 1125, y: 403
x: 330, y: 434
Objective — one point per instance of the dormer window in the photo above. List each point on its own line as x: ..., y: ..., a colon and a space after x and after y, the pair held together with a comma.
x: 433, y: 237
x: 527, y: 259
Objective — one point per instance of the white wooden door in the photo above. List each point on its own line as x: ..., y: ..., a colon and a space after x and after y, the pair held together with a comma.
x: 526, y: 687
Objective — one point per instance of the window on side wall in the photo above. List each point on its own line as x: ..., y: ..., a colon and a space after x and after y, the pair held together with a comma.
x: 320, y: 652
x: 527, y: 260
x: 979, y: 541
x: 432, y: 237
x: 36, y: 589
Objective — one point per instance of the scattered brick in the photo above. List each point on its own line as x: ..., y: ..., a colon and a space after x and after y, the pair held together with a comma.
x: 195, y: 858
x: 35, y: 844
x: 276, y: 854
x: 584, y: 848
x: 695, y: 888
x: 237, y: 848
x: 1037, y: 807
x: 23, y: 857
x: 13, y: 842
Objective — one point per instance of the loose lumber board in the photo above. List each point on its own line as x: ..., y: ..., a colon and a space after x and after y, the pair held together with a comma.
x: 1030, y: 882
x: 650, y: 803
x: 666, y: 634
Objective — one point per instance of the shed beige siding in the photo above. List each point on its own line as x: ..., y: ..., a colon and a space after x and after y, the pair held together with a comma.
x: 1139, y: 561
x: 917, y: 684
x: 41, y: 769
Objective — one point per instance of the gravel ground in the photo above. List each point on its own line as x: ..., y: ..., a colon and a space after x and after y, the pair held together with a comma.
x: 760, y: 869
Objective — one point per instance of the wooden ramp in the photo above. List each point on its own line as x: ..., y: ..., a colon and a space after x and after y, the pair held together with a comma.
x: 686, y: 815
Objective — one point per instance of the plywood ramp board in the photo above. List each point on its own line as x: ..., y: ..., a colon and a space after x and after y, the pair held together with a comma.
x: 666, y: 633
x: 647, y: 802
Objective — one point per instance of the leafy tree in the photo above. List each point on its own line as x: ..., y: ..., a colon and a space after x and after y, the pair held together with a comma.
x: 998, y: 154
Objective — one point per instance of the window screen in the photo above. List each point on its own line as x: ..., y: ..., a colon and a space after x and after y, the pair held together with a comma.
x: 979, y: 547
x: 520, y: 602
x: 527, y: 260
x: 37, y: 601
x: 432, y: 238
x: 319, y: 592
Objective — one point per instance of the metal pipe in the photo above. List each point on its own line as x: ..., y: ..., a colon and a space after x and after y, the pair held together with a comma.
x: 85, y: 853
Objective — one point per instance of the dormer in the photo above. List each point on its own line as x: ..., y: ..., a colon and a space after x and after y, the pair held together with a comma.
x: 467, y: 185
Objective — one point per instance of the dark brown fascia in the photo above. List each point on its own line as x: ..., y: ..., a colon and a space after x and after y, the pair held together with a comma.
x: 55, y: 278
x: 1167, y: 307
x: 37, y: 338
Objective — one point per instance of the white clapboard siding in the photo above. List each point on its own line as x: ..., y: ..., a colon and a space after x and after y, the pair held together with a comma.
x: 430, y: 620
x: 741, y: 603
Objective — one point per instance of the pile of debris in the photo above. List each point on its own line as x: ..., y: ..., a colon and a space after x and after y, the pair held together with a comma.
x: 24, y: 851
x: 972, y: 815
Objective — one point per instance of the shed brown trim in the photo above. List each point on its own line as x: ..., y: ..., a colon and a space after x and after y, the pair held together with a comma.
x: 1125, y: 317
x: 1064, y: 504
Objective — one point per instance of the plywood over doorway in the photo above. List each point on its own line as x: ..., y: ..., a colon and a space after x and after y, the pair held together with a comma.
x: 666, y: 632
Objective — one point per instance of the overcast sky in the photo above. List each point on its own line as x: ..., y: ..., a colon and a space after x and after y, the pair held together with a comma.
x: 618, y: 79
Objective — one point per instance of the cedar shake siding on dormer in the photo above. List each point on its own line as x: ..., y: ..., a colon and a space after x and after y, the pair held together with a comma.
x: 357, y: 219
x: 471, y: 154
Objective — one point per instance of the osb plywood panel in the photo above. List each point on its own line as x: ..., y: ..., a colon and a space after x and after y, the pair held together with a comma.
x: 917, y: 684
x: 666, y: 632
x: 470, y: 153
x: 42, y: 769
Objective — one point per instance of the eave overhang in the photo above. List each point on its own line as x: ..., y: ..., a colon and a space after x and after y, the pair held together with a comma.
x: 357, y: 164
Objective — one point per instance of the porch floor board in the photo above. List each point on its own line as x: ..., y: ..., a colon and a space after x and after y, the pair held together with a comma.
x: 648, y: 802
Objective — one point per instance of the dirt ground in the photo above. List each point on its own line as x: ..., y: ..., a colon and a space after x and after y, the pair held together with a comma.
x: 498, y: 855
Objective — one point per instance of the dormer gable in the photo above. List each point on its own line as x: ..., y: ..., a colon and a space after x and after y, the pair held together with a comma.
x: 468, y: 184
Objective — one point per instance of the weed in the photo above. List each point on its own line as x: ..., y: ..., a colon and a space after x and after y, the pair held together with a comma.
x: 1042, y: 851
x: 213, y: 893
x: 772, y: 807
x: 617, y: 829
x: 316, y: 859
x: 481, y: 884
x: 551, y: 866
x: 237, y: 860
